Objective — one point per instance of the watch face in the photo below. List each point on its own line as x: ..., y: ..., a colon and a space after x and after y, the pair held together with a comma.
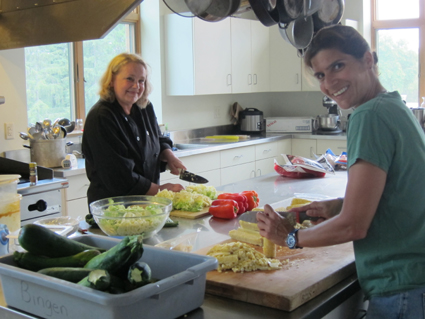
x: 290, y: 241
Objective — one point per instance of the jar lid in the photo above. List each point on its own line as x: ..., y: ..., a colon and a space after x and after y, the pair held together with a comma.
x: 9, y: 178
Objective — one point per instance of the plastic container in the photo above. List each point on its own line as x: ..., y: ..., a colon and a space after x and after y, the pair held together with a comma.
x: 180, y: 289
x: 10, y: 212
x: 8, y: 186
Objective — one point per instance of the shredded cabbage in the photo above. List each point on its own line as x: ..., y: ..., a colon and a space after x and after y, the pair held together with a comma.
x: 209, y: 191
x: 187, y: 201
x: 123, y: 221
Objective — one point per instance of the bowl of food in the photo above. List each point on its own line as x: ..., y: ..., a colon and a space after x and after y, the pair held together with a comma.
x: 131, y: 215
x: 64, y: 225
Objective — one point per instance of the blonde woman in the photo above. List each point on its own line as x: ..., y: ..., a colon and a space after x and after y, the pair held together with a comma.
x: 122, y: 143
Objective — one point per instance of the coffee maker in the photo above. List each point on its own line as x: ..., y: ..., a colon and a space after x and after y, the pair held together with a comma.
x: 328, y: 123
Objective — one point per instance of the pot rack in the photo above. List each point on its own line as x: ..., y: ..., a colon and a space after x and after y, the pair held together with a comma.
x: 297, y: 21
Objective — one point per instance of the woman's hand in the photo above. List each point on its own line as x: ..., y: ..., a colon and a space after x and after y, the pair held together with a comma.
x: 324, y: 209
x: 273, y: 226
x: 171, y: 187
x: 173, y: 162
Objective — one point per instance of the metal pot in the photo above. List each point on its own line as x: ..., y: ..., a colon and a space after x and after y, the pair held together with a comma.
x: 419, y: 113
x: 251, y: 120
x: 327, y: 122
x: 48, y: 153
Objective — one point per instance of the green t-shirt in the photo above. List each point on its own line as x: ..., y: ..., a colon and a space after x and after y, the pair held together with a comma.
x: 385, y: 133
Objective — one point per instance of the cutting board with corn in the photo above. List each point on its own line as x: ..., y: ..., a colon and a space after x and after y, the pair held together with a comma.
x: 254, y: 270
x: 305, y: 274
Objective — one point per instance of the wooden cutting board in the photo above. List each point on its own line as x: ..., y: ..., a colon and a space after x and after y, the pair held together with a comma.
x: 310, y: 272
x: 190, y: 215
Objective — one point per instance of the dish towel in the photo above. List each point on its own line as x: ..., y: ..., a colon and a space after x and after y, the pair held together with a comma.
x: 234, y: 112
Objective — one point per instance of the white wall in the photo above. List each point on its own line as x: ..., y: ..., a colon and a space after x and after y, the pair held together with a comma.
x: 12, y: 87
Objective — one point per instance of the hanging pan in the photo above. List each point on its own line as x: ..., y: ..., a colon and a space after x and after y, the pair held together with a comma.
x: 266, y: 11
x: 288, y: 11
x: 180, y: 7
x: 330, y: 13
x: 299, y: 32
x: 213, y: 10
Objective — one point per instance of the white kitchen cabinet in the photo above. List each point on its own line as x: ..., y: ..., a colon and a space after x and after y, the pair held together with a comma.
x: 264, y: 166
x: 284, y: 147
x: 237, y: 156
x: 264, y: 158
x: 250, y: 56
x: 206, y: 165
x: 198, y: 56
x: 74, y: 198
x: 304, y: 147
x: 337, y: 146
x: 284, y: 65
x: 237, y: 173
x: 308, y: 81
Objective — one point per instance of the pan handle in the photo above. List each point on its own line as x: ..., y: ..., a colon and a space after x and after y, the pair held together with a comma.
x: 26, y: 146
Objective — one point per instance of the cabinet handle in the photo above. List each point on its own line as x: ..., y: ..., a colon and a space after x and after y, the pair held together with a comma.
x: 229, y: 79
x: 253, y: 173
x: 249, y: 79
x: 311, y: 152
x: 238, y: 156
x: 297, y: 78
x: 266, y: 151
x: 259, y: 171
x: 255, y: 79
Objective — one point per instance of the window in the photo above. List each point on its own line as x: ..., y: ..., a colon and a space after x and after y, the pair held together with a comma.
x: 62, y: 80
x: 398, y: 36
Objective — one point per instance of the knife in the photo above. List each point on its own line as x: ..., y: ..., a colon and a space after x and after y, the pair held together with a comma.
x: 251, y: 217
x: 191, y: 177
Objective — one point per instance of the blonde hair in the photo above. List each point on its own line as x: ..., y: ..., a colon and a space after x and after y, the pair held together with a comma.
x: 107, y: 92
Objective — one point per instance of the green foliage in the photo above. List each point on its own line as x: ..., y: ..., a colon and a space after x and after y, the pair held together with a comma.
x: 398, y: 67
x: 49, y: 80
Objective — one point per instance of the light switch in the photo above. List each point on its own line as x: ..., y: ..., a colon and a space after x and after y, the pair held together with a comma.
x: 8, y: 131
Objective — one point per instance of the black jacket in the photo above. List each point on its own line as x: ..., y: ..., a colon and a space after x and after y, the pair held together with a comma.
x: 122, y: 152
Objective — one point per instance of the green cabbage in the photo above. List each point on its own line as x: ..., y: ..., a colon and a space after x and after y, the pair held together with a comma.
x: 208, y: 191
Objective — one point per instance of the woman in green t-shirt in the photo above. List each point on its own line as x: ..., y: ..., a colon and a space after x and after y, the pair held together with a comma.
x: 384, y: 206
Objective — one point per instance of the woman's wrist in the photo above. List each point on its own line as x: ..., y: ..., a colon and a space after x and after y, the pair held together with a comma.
x: 153, y: 190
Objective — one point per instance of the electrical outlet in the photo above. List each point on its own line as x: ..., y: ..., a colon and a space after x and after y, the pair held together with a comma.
x: 8, y: 131
x: 217, y: 112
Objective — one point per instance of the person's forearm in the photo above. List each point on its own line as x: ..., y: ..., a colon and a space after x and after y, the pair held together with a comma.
x: 153, y: 190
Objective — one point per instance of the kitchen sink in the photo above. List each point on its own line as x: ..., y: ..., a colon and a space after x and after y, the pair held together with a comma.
x: 191, y: 146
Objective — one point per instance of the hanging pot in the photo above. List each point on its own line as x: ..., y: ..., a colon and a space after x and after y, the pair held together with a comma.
x: 330, y: 13
x: 213, y: 10
x: 244, y: 6
x: 299, y: 32
x: 179, y: 7
x: 289, y: 10
x: 266, y: 11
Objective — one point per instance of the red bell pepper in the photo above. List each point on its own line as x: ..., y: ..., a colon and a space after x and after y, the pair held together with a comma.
x: 224, y: 208
x: 253, y: 199
x: 240, y: 199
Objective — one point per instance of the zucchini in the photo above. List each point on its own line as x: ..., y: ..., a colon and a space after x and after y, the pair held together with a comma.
x: 139, y: 274
x: 98, y: 279
x: 34, y: 262
x: 72, y: 274
x: 112, y: 260
x: 42, y: 241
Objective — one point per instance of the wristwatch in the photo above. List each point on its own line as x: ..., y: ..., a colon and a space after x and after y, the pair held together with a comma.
x: 291, y: 240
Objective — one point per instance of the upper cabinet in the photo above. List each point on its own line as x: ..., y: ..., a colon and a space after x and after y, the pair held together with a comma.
x: 230, y: 56
x: 250, y: 56
x: 198, y: 56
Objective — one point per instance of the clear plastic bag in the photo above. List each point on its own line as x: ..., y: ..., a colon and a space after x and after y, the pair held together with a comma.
x: 181, y: 243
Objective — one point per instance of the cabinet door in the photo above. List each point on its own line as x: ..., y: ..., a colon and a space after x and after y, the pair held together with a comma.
x: 336, y: 146
x: 78, y: 186
x: 237, y: 156
x: 241, y: 55
x: 285, y: 65
x: 260, y: 53
x: 309, y: 82
x: 237, y: 173
x: 265, y: 150
x: 264, y: 166
x: 212, y: 54
x: 304, y: 147
x: 284, y: 147
x: 77, y: 208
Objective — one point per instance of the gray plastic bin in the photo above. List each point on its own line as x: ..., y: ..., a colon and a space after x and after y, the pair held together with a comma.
x: 181, y: 288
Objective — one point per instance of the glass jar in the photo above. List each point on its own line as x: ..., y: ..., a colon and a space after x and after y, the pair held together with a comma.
x: 423, y: 102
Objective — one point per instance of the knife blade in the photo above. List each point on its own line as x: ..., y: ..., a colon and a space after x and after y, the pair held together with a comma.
x: 251, y: 217
x: 191, y: 177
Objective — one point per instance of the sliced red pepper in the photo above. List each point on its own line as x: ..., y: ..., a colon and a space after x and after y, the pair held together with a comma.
x: 253, y: 199
x: 240, y: 199
x: 224, y: 208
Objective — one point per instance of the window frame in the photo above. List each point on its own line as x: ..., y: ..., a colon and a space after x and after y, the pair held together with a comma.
x: 78, y: 65
x: 404, y: 23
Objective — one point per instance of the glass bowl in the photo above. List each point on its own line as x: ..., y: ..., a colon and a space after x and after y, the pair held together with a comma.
x: 131, y: 215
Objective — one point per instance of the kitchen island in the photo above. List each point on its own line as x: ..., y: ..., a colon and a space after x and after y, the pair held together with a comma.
x: 340, y: 301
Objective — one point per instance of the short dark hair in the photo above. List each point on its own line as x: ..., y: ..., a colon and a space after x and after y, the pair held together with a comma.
x: 340, y: 37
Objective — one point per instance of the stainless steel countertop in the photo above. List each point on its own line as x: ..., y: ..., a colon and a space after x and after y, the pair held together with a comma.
x: 214, y: 147
x: 272, y: 189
